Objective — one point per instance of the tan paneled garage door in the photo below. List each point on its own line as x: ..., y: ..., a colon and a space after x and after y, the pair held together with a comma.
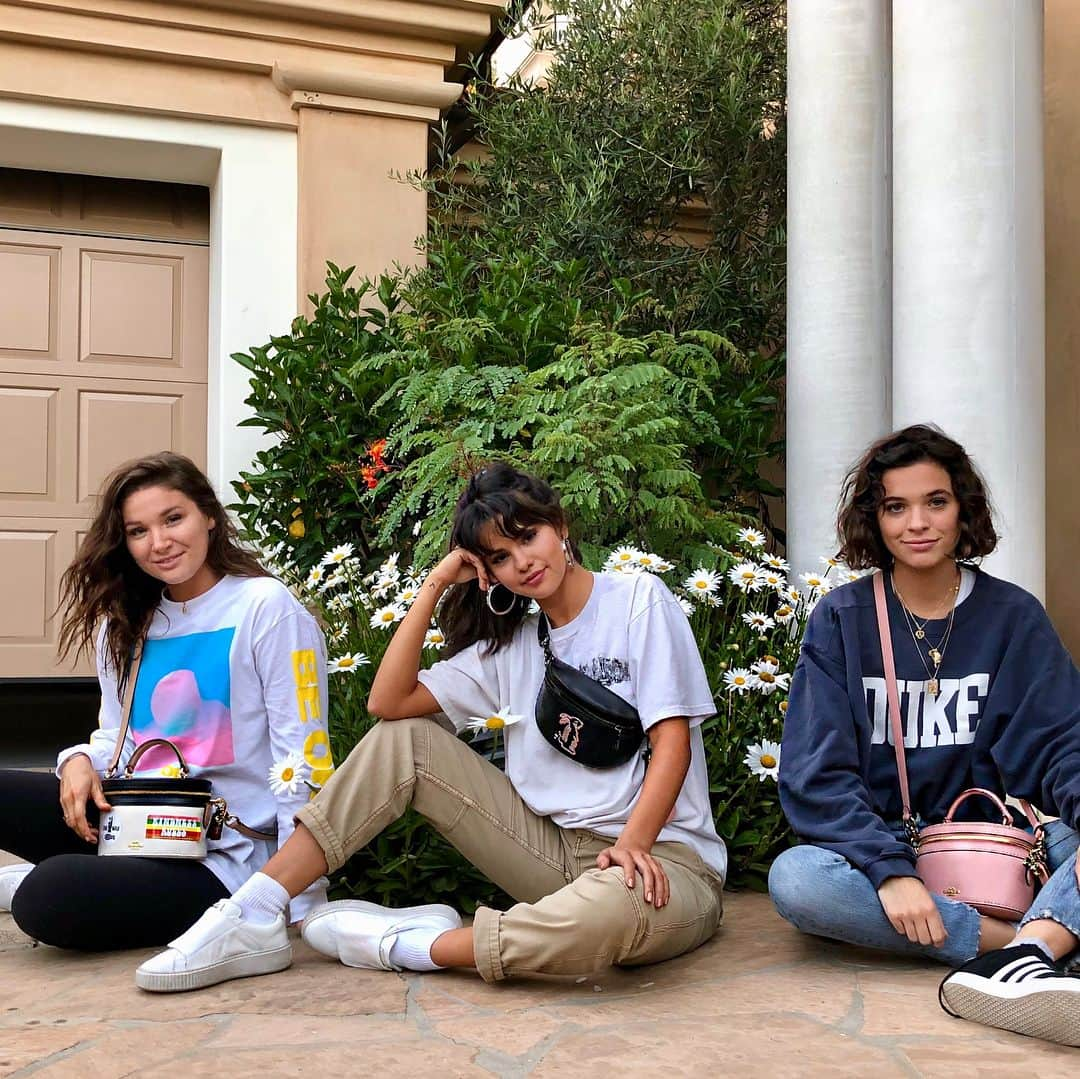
x: 103, y: 357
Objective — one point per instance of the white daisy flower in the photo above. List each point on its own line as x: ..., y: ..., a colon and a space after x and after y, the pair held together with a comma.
x: 287, y: 775
x: 384, y: 584
x: 662, y: 565
x: 627, y: 569
x: 622, y: 556
x: 386, y: 616
x: 495, y: 722
x: 763, y: 759
x: 758, y: 621
x: 738, y: 680
x: 406, y: 596
x: 751, y: 537
x: 390, y: 564
x: 789, y: 595
x: 339, y: 633
x: 774, y: 561
x: 686, y: 605
x: 347, y: 663
x: 772, y: 578
x: 703, y: 582
x: 651, y: 562
x: 813, y: 580
x: 315, y: 577
x: 768, y: 677
x: 336, y: 555
x: 340, y: 603
x: 746, y: 575
x: 829, y: 563
x: 334, y: 580
x: 783, y: 614
x: 434, y: 638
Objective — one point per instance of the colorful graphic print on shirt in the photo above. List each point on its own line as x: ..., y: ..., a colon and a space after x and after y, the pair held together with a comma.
x: 183, y: 694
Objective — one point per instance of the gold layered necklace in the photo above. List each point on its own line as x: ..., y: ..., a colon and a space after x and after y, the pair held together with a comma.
x: 936, y: 651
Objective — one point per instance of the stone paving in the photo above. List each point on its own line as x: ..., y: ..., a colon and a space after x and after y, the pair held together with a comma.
x: 757, y: 1000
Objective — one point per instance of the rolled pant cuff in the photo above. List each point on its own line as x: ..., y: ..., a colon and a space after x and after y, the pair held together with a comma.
x: 314, y: 820
x: 486, y: 925
x: 1048, y: 915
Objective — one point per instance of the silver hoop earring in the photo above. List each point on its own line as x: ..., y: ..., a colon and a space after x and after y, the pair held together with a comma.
x: 513, y: 601
x: 566, y: 551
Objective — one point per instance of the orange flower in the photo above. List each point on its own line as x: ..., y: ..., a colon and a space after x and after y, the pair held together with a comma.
x: 377, y: 452
x: 368, y: 472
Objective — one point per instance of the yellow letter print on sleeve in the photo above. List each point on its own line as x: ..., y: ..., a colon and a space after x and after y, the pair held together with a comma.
x: 306, y: 675
x: 317, y: 754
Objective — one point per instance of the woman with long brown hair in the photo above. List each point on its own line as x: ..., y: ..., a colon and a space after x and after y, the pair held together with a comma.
x: 231, y: 671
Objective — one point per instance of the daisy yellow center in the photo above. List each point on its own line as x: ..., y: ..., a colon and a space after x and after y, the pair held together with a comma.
x: 764, y: 676
x: 783, y: 706
x: 436, y: 638
x: 388, y: 616
x: 495, y: 723
x: 768, y: 760
x: 287, y: 775
x: 701, y: 584
x: 739, y: 680
x: 645, y: 561
x: 624, y: 557
x: 346, y: 662
x: 783, y: 612
x: 773, y: 660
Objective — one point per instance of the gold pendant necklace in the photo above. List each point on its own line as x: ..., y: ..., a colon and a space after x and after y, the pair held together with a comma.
x: 936, y: 653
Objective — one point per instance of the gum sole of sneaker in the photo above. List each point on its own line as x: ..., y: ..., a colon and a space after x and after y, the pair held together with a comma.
x: 240, y: 966
x: 1053, y: 1015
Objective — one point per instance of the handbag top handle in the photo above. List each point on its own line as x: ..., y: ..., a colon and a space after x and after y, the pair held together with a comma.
x: 885, y: 635
x: 125, y: 710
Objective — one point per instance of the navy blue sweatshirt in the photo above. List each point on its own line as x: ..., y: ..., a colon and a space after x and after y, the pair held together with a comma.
x: 1007, y: 718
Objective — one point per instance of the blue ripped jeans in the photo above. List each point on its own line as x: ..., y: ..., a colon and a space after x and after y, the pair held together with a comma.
x: 822, y: 893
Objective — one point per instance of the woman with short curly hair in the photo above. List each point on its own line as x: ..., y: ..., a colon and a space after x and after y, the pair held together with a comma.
x: 989, y: 697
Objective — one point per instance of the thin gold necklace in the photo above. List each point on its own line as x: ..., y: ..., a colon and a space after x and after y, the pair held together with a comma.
x: 936, y: 653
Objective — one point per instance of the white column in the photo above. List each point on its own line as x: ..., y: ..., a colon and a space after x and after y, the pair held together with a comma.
x: 968, y: 301
x: 838, y: 256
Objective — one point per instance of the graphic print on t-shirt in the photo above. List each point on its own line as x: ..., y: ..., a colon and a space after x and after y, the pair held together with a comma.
x: 606, y: 671
x: 183, y: 694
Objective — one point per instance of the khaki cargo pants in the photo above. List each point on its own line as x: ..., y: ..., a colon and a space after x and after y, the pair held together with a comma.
x: 570, y: 918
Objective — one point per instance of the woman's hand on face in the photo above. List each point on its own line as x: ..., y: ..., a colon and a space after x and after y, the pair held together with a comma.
x: 79, y: 784
x: 460, y: 566
x: 911, y: 909
x: 654, y: 880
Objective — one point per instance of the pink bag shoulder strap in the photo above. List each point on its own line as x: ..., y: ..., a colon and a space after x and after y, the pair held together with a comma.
x: 885, y: 634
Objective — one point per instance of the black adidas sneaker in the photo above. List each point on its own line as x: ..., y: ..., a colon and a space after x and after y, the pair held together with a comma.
x: 1016, y: 989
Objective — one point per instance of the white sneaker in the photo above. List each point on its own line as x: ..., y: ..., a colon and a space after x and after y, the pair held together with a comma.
x: 361, y: 934
x: 219, y: 946
x: 11, y: 876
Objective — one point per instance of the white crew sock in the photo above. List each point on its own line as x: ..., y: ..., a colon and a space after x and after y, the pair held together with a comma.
x: 261, y: 899
x: 1037, y: 941
x: 412, y: 949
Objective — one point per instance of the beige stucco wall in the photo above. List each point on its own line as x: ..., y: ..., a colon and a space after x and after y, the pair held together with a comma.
x: 1062, y: 114
x: 358, y: 83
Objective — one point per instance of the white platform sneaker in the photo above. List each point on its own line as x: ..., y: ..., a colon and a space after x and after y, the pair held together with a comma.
x: 219, y: 946
x: 11, y: 876
x: 361, y: 934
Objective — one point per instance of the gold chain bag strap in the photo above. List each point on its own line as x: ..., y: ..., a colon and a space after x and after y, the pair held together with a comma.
x: 994, y: 868
x: 159, y: 816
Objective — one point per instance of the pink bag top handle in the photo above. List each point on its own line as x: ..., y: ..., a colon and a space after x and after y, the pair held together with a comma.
x: 894, y: 717
x: 890, y: 686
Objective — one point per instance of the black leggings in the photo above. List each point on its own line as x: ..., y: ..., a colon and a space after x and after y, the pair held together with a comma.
x: 73, y: 899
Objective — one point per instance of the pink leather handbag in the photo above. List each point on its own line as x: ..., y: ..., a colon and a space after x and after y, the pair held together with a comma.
x: 994, y: 868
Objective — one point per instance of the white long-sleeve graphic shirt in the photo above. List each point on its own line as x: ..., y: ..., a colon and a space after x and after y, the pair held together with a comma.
x: 236, y: 678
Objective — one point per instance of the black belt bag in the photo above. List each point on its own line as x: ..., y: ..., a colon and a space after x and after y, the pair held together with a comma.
x: 582, y: 719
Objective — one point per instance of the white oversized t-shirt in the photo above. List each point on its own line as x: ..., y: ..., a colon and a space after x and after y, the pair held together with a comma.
x: 237, y: 679
x: 633, y: 638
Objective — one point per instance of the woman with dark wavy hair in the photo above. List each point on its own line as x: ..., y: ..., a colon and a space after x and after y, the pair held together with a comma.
x: 990, y: 699
x: 231, y: 671
x: 614, y: 861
